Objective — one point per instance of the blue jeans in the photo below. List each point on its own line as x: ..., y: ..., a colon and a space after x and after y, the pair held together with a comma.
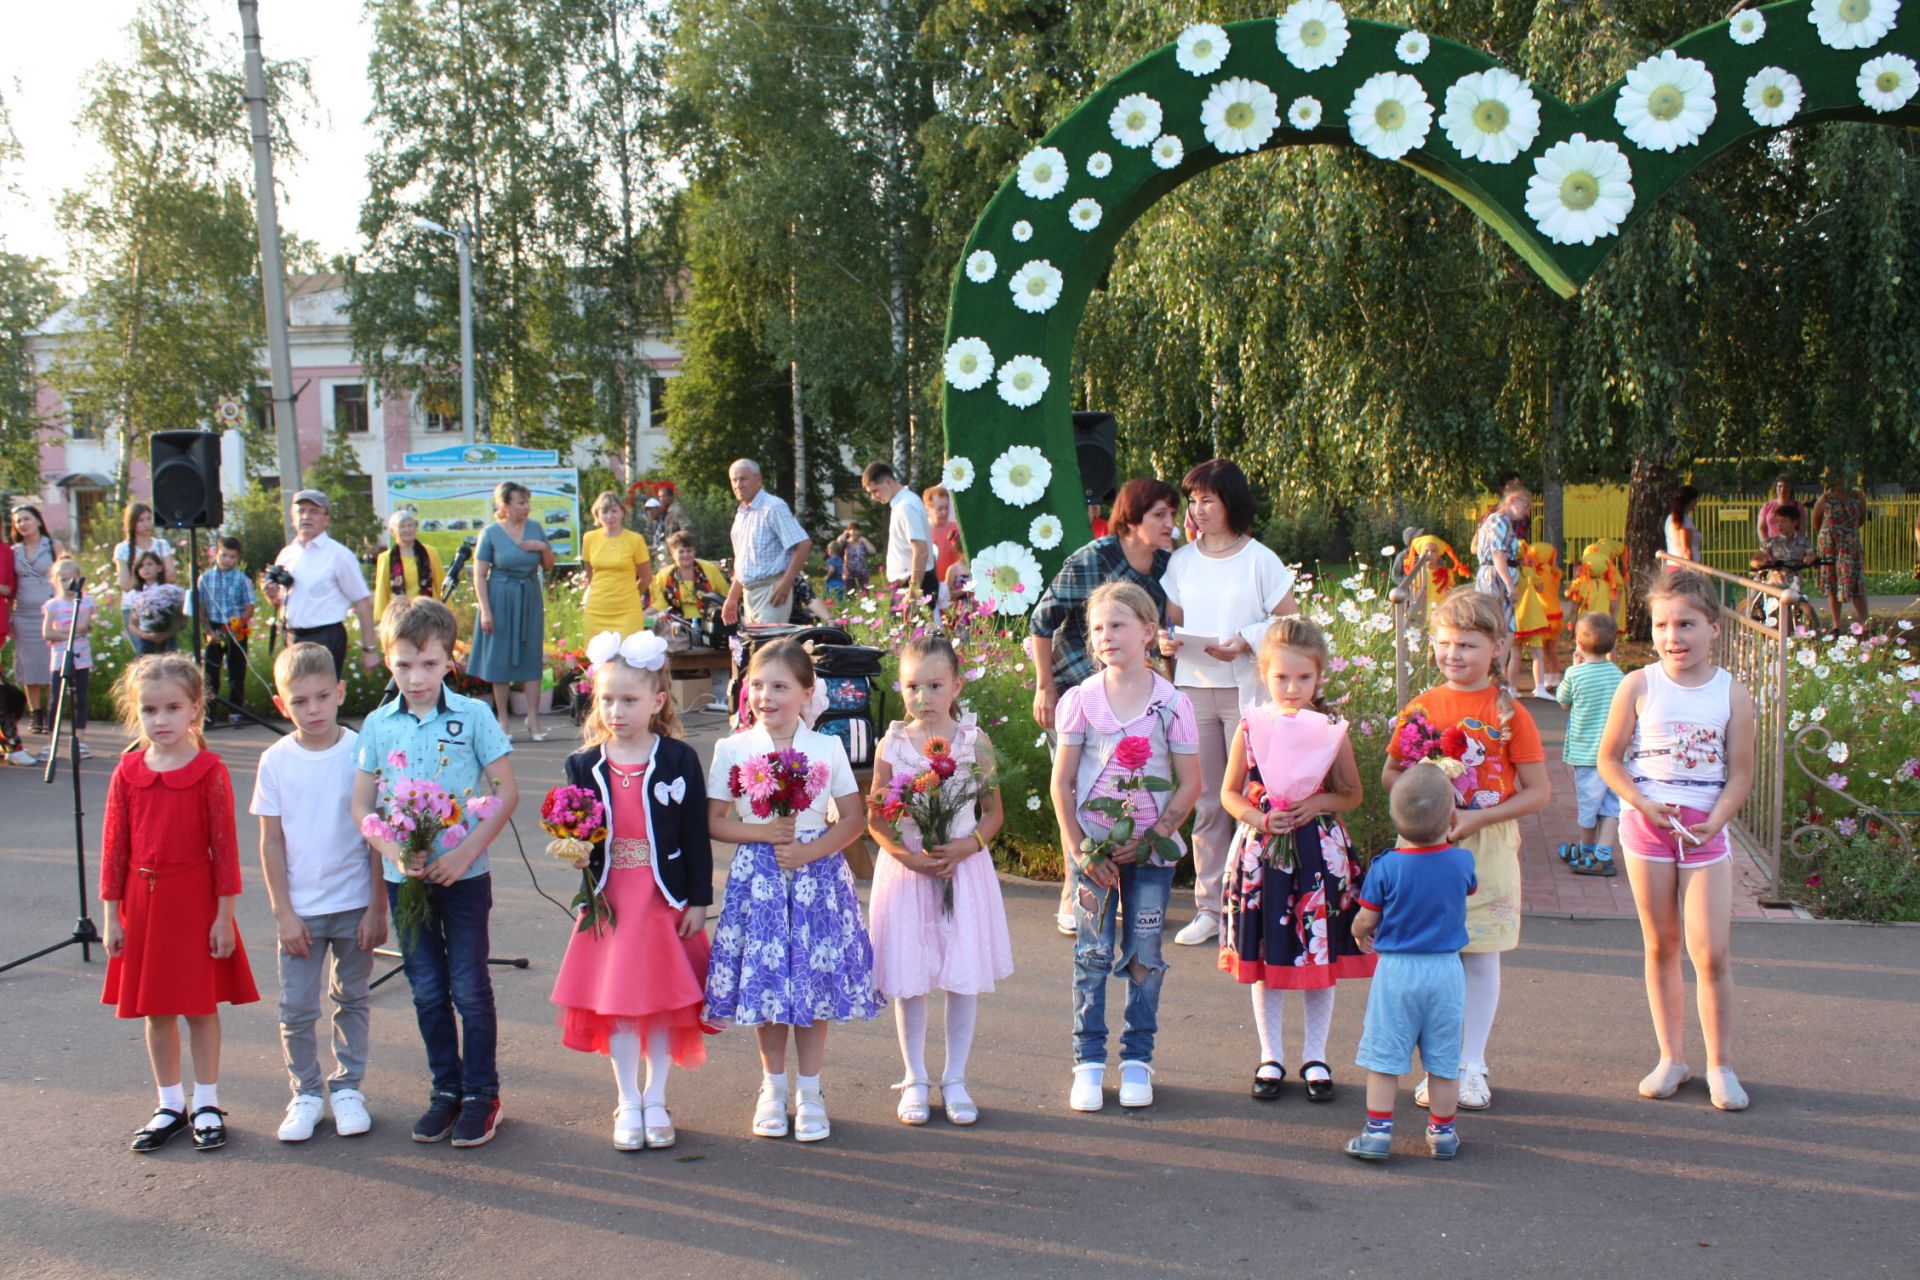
x: 446, y: 964
x: 1140, y: 902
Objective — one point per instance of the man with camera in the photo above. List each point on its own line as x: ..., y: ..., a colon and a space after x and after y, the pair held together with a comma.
x: 314, y: 581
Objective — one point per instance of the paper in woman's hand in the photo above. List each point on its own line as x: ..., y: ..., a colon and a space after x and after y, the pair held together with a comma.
x: 1293, y: 749
x: 1197, y: 639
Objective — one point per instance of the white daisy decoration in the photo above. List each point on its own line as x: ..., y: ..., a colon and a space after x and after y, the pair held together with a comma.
x: 1023, y: 231
x: 968, y: 364
x: 1413, y: 47
x: 1581, y: 190
x: 1853, y: 24
x: 957, y: 475
x: 1887, y: 82
x: 1023, y: 380
x: 1033, y: 801
x: 1239, y: 115
x: 1045, y: 532
x: 1201, y: 48
x: 1006, y: 576
x: 1167, y: 151
x: 1084, y: 214
x: 1667, y: 102
x: 1773, y: 96
x: 1036, y: 286
x: 1491, y: 116
x: 1304, y: 113
x: 980, y: 266
x: 1390, y: 114
x: 1747, y: 26
x: 1099, y: 165
x: 1043, y: 173
x: 1020, y: 475
x: 1135, y: 120
x: 1312, y: 33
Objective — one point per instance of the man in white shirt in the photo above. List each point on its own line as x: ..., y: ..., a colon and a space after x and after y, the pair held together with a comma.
x: 909, y: 536
x: 327, y: 582
x: 769, y: 549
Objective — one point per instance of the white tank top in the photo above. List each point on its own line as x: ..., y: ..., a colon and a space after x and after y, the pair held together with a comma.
x: 1679, y: 752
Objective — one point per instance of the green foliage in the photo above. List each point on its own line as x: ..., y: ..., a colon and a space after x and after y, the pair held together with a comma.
x: 256, y: 519
x: 338, y: 474
x: 28, y: 295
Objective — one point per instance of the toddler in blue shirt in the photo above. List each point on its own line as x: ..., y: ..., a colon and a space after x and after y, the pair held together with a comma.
x: 1413, y: 915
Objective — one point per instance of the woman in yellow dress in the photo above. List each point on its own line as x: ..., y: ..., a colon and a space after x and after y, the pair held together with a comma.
x: 398, y: 572
x: 619, y: 570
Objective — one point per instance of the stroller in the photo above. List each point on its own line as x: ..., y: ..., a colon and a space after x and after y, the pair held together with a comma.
x: 847, y: 700
x: 1783, y: 573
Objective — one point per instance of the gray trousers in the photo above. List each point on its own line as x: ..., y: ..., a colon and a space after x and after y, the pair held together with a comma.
x: 347, y: 977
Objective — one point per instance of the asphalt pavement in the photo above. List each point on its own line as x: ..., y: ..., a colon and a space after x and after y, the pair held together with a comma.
x: 1569, y: 1174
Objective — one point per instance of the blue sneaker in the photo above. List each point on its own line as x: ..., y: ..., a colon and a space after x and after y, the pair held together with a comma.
x: 1445, y: 1146
x: 1370, y: 1146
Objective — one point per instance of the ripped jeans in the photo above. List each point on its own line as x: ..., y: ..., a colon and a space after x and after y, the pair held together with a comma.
x: 1140, y: 902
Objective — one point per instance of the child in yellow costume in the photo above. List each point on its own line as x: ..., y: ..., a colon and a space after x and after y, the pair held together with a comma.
x: 1444, y: 570
x: 1549, y: 578
x: 1530, y: 616
x: 1600, y: 579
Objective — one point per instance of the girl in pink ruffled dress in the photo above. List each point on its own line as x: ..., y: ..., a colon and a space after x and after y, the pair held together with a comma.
x: 936, y: 918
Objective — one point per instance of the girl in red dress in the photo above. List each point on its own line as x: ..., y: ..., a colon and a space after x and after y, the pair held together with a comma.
x: 169, y: 878
x: 636, y: 987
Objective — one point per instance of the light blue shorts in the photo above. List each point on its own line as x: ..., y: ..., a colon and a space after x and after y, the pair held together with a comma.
x: 1416, y: 1000
x: 1591, y: 794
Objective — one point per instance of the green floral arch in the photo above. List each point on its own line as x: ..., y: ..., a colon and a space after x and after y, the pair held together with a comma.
x: 1007, y: 397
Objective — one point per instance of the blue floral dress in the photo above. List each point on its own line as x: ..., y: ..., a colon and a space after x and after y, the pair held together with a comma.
x: 790, y: 948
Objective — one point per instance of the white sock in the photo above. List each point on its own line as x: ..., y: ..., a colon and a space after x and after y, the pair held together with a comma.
x: 1268, y: 1003
x: 778, y: 1079
x: 1317, y: 1007
x: 961, y: 1013
x: 623, y: 1047
x: 910, y: 1020
x: 659, y: 1062
x: 206, y: 1095
x: 1483, y: 1001
x: 174, y: 1097
x: 805, y: 1083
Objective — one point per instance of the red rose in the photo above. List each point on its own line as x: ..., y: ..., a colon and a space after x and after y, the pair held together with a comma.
x: 1453, y: 743
x: 1133, y: 753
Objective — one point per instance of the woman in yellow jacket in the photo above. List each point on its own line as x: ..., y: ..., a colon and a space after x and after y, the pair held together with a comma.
x: 619, y: 569
x: 677, y: 588
x: 408, y: 567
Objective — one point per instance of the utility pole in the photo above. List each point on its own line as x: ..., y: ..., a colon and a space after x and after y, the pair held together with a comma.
x: 273, y: 280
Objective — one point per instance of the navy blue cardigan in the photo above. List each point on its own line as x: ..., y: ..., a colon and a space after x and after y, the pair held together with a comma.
x: 676, y: 831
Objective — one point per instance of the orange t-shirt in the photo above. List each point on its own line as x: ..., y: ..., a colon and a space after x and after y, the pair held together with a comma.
x: 1492, y: 752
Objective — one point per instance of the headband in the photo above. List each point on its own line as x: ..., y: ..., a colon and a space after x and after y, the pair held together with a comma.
x: 643, y: 650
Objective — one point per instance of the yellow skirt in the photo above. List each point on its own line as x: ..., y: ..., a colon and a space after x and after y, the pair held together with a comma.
x: 1493, y: 910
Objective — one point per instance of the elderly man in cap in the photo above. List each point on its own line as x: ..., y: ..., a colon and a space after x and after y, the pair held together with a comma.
x: 327, y: 582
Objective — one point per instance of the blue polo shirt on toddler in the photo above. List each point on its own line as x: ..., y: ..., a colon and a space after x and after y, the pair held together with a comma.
x: 1421, y: 895
x: 452, y: 745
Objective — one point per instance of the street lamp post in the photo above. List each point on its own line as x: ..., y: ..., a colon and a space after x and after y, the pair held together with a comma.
x: 463, y: 240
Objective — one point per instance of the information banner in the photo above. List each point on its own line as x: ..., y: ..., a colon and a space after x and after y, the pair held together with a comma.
x: 455, y: 505
x: 467, y: 457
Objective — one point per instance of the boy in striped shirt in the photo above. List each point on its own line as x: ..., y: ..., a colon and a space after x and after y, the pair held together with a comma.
x: 1587, y: 692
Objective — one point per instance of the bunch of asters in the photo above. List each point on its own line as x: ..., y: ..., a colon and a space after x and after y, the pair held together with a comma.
x: 418, y: 814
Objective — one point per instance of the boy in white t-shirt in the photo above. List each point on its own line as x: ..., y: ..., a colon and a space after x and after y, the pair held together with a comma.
x: 321, y: 879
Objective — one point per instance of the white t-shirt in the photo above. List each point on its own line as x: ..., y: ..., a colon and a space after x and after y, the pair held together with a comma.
x: 123, y: 552
x: 749, y: 743
x: 327, y: 582
x: 1223, y: 598
x: 906, y: 525
x: 311, y: 792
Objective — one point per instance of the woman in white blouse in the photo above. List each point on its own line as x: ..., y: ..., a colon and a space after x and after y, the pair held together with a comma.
x: 1223, y: 588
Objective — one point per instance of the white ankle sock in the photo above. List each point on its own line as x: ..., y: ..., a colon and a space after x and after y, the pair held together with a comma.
x: 910, y: 1021
x: 623, y: 1047
x: 1317, y: 1007
x: 778, y: 1079
x: 174, y: 1097
x: 206, y: 1095
x: 659, y: 1063
x: 1268, y: 1005
x: 962, y: 1012
x: 807, y: 1082
x: 1483, y: 1001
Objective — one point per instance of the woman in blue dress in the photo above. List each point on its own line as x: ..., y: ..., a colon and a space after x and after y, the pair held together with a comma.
x: 512, y: 615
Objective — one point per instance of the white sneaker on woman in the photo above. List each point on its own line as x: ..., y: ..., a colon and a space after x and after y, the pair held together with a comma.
x: 1063, y: 921
x: 1204, y: 927
x: 1087, y: 1093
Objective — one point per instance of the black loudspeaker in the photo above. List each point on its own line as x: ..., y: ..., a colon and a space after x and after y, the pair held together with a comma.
x: 186, y: 479
x: 1096, y: 439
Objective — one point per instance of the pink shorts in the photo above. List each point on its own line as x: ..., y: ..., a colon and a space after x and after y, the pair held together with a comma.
x: 1640, y: 838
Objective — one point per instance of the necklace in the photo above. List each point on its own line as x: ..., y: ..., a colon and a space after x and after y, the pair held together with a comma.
x: 1201, y: 542
x: 626, y: 778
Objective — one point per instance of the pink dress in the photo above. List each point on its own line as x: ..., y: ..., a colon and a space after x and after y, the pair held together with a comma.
x: 917, y: 946
x: 641, y: 974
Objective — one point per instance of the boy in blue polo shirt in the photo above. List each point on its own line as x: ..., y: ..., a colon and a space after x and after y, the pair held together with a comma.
x: 1414, y: 916
x: 430, y: 732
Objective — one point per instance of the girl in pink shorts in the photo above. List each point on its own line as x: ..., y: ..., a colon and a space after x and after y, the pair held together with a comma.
x: 1678, y: 751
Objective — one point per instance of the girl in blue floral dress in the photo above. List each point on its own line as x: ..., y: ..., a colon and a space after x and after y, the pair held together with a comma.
x: 791, y: 949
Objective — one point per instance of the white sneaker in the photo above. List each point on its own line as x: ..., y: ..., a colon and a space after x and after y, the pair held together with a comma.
x: 350, y: 1118
x: 1063, y: 921
x: 770, y: 1113
x: 23, y: 758
x: 1420, y: 1093
x: 1475, y: 1093
x: 303, y: 1113
x: 1204, y: 927
x: 1087, y: 1093
x: 810, y: 1123
x: 1724, y: 1088
x: 1136, y: 1084
x: 629, y: 1127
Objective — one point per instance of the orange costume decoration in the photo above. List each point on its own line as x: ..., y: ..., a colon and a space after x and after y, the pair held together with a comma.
x: 1546, y: 562
x: 1530, y: 625
x: 1444, y: 569
x: 1600, y: 580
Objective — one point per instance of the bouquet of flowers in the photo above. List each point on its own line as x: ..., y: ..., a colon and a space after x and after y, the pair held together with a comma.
x: 1419, y: 741
x: 420, y: 815
x: 1130, y: 755
x: 577, y: 821
x: 933, y: 798
x: 160, y: 610
x: 780, y: 784
x: 1294, y: 750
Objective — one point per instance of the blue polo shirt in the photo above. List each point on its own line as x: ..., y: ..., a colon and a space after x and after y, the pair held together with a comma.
x: 452, y: 745
x: 1421, y: 895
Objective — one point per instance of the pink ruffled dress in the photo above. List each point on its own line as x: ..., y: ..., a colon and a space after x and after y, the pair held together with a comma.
x: 917, y: 946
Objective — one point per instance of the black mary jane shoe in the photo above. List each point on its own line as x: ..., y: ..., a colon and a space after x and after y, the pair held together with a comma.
x: 150, y: 1139
x: 1265, y: 1090
x: 212, y: 1135
x: 1317, y: 1090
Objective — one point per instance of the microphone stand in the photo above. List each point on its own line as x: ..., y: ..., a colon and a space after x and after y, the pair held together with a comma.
x: 85, y: 935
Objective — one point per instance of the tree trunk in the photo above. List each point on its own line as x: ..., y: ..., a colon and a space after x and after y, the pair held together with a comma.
x: 1553, y: 495
x: 799, y: 411
x: 1649, y: 488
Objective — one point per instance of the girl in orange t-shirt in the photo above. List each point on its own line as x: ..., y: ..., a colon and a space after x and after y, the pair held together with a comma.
x: 1501, y: 777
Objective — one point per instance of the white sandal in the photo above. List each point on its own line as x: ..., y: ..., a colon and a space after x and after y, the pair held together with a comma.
x: 770, y: 1112
x: 915, y: 1107
x: 958, y: 1103
x: 810, y: 1122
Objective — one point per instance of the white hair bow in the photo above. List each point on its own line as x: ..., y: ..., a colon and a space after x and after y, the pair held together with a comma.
x: 642, y: 650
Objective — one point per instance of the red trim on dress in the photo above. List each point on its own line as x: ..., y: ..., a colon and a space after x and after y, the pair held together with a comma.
x: 1303, y: 977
